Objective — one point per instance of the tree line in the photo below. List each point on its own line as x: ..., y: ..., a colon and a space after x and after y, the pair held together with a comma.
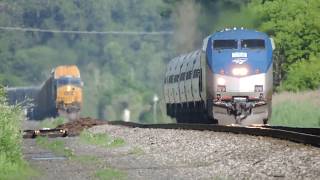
x: 127, y: 70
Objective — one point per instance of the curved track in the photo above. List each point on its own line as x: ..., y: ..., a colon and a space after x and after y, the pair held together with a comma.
x: 309, y: 136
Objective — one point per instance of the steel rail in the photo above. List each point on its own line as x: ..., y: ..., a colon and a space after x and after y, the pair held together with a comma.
x: 52, y: 133
x: 309, y: 136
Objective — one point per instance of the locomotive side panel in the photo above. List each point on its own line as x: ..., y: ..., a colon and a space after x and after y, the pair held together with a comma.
x: 176, y: 83
x: 188, y: 85
x: 171, y: 81
x: 46, y: 101
x: 196, y: 78
x: 165, y: 85
x: 183, y: 96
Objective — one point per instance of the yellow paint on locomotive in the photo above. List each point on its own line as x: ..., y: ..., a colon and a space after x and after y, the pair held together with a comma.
x: 69, y: 96
x: 68, y: 70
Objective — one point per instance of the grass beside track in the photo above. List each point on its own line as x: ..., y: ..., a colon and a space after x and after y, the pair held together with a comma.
x: 110, y: 173
x: 101, y: 139
x: 56, y: 146
x: 12, y: 164
x: 296, y: 109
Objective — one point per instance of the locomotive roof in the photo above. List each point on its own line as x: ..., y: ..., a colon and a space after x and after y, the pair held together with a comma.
x: 33, y: 88
x: 239, y: 34
x: 67, y: 70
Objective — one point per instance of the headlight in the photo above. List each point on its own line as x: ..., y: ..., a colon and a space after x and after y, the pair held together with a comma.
x: 241, y: 71
x: 221, y: 81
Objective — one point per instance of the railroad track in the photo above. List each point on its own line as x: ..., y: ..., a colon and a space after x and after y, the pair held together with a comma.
x: 309, y: 136
x: 52, y: 133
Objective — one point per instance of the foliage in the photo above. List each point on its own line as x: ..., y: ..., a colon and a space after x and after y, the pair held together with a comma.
x: 108, y: 63
x: 125, y: 71
x: 12, y: 165
x: 109, y: 173
x: 216, y: 14
x: 295, y: 27
x: 101, y: 139
x: 303, y: 75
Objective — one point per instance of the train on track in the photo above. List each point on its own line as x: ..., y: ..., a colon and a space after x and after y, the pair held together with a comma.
x: 60, y: 94
x: 228, y: 81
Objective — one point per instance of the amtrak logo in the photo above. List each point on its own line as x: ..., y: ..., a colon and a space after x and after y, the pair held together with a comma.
x: 239, y: 60
x: 239, y: 57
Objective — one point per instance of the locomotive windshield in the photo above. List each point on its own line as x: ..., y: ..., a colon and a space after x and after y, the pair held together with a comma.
x: 225, y: 44
x: 66, y: 81
x: 253, y: 43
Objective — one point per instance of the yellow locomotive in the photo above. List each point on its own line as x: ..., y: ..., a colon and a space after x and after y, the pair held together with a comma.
x: 60, y: 94
x: 68, y: 86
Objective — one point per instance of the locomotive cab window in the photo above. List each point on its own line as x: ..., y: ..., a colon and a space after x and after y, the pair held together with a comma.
x: 225, y: 44
x: 253, y: 44
x: 67, y: 81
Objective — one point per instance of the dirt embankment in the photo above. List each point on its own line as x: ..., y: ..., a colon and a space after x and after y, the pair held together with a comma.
x: 75, y: 127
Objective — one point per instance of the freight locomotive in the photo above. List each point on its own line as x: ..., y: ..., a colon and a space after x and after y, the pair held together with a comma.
x: 60, y: 94
x: 228, y: 81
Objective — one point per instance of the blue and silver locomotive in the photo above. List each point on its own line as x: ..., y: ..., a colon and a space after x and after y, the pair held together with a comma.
x: 228, y: 81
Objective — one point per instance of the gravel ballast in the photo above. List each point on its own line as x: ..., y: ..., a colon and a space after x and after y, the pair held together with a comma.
x: 189, y: 154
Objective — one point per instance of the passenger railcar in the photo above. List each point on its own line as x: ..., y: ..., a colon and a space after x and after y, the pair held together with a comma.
x: 228, y: 81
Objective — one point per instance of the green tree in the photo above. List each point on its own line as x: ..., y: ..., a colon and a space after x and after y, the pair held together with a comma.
x: 303, y: 75
x: 295, y: 26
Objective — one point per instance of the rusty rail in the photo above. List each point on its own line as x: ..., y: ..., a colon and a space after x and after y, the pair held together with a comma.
x: 309, y: 136
x: 52, y: 133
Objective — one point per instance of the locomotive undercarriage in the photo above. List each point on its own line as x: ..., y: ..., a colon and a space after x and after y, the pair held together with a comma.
x: 192, y: 112
x: 69, y: 111
x: 238, y: 110
x: 241, y: 110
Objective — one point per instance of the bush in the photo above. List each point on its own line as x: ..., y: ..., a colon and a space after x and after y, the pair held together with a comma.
x: 12, y: 165
x: 303, y: 75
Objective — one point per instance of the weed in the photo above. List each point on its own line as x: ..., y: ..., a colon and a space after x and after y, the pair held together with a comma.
x: 109, y: 173
x: 12, y: 165
x: 85, y: 159
x: 101, y: 139
x: 56, y: 146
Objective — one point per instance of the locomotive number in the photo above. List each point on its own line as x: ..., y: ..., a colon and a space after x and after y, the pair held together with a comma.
x: 69, y: 93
